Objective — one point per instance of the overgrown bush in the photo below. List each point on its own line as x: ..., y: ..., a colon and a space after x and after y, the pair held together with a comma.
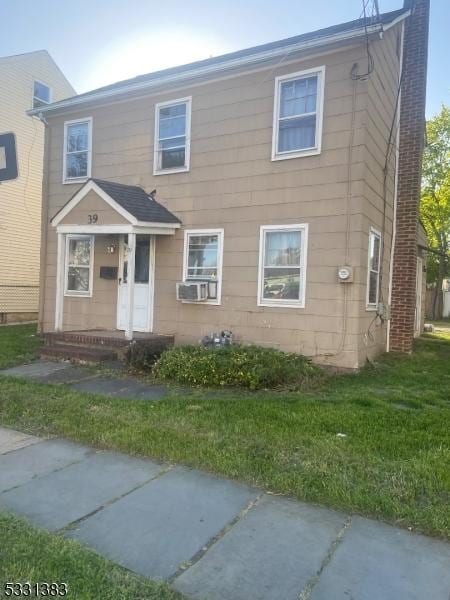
x: 142, y: 356
x: 250, y: 367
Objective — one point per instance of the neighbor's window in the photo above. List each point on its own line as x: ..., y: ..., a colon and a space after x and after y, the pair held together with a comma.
x: 77, y: 150
x: 282, y: 265
x: 203, y: 259
x: 373, y: 270
x: 298, y: 114
x: 79, y: 259
x: 172, y: 133
x: 41, y: 94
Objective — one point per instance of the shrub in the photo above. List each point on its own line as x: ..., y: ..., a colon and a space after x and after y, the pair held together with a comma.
x: 143, y: 355
x: 250, y: 367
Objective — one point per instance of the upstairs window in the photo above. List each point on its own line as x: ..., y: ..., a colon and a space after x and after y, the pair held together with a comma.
x: 373, y: 269
x: 172, y: 136
x: 77, y: 150
x: 298, y: 111
x: 203, y: 251
x: 282, y: 265
x: 41, y: 94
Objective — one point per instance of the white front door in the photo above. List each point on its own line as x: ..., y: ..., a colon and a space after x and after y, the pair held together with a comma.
x: 419, y: 281
x: 143, y: 284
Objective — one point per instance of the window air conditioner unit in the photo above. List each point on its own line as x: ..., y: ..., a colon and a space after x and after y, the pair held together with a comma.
x: 192, y: 291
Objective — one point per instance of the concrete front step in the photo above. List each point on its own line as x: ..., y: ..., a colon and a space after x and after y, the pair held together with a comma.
x: 77, y: 353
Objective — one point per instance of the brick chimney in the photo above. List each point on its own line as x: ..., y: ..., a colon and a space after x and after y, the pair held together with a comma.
x: 409, y: 171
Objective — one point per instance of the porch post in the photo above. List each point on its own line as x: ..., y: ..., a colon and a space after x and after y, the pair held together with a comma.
x: 130, y: 277
x: 60, y: 271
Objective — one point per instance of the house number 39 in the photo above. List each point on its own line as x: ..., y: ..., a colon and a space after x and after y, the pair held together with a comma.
x: 92, y: 219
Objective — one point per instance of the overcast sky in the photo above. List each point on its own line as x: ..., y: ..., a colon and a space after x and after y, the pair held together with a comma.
x: 96, y: 42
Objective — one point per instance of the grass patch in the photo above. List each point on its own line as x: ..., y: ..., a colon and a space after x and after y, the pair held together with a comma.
x: 442, y: 324
x: 18, y: 344
x: 33, y: 555
x: 392, y: 464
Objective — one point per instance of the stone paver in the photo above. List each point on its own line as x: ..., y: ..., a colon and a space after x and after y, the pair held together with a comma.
x: 71, y: 374
x: 212, y: 538
x: 122, y: 388
x: 165, y: 523
x: 23, y: 465
x: 59, y: 498
x: 85, y: 380
x: 14, y: 440
x: 36, y: 369
x: 272, y: 552
x: 375, y: 561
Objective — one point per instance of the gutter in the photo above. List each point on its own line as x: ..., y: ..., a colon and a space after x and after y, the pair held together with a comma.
x: 217, y: 68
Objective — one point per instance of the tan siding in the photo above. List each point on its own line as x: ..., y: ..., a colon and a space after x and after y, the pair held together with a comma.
x: 92, y: 204
x: 382, y: 93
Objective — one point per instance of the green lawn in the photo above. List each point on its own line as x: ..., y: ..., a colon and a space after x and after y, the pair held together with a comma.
x: 18, y: 344
x: 392, y: 464
x: 31, y: 555
x: 443, y: 324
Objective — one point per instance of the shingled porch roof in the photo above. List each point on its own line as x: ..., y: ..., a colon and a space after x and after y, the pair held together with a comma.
x: 132, y: 202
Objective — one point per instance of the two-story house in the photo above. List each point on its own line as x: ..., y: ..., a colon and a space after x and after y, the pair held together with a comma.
x: 272, y: 192
x: 30, y: 80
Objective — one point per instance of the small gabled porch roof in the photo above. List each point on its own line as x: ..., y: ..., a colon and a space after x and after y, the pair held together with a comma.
x: 134, y: 209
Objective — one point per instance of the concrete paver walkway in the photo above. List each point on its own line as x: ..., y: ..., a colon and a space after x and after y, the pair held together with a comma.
x: 209, y: 537
x: 86, y: 380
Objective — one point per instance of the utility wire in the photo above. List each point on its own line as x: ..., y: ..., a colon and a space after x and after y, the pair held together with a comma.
x: 370, y: 61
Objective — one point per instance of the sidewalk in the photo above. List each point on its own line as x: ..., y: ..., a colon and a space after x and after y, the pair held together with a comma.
x: 212, y: 538
x: 85, y: 379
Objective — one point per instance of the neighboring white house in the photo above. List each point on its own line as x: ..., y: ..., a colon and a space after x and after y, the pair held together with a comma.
x: 26, y: 81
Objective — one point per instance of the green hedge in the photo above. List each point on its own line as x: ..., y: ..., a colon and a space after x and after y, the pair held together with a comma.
x: 250, y: 367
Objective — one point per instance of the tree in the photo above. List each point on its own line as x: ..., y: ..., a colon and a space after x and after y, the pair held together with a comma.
x: 435, y: 202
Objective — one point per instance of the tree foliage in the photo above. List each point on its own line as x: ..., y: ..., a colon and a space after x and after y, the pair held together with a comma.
x: 435, y: 199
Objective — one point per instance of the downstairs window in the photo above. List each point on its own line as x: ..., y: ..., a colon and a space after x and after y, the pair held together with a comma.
x: 373, y: 269
x: 79, y: 264
x: 282, y: 265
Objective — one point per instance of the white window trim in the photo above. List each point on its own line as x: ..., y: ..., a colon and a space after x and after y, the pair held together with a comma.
x: 320, y: 72
x: 303, y: 227
x: 373, y: 232
x: 220, y: 233
x: 186, y: 167
x: 74, y: 293
x: 65, y: 179
x: 33, y: 97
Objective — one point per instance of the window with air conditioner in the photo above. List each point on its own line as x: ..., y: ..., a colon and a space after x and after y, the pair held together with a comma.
x: 203, y: 250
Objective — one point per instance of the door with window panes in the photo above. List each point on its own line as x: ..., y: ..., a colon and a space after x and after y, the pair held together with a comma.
x: 143, y: 284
